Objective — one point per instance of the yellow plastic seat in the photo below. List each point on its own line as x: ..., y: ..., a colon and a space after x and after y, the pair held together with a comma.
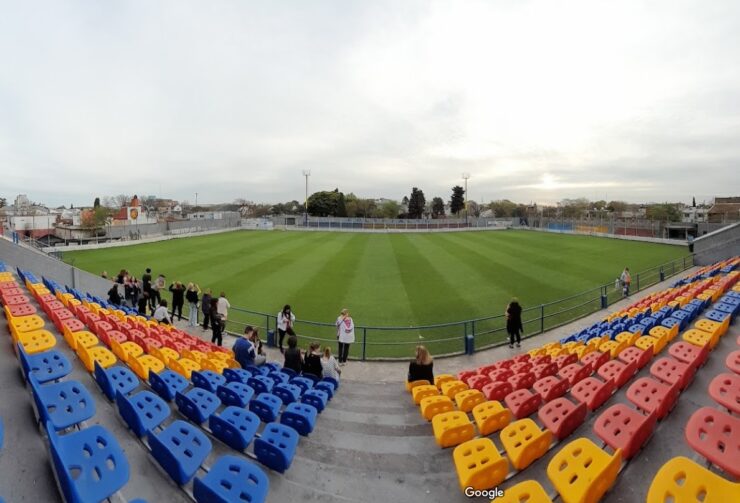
x: 195, y: 355
x: 657, y: 343
x: 452, y: 428
x: 37, y: 341
x: 533, y: 353
x: 681, y: 480
x: 74, y: 302
x: 668, y: 333
x: 491, y: 417
x: 525, y: 442
x: 20, y: 324
x: 184, y: 367
x: 214, y: 365
x: 594, y: 343
x: 529, y: 491
x: 582, y: 472
x: 126, y: 350
x: 570, y: 346
x: 558, y: 351
x: 6, y: 277
x: 164, y: 354
x: 479, y: 464
x: 613, y: 348
x: 713, y: 327
x: 412, y: 384
x: 82, y: 338
x: 452, y: 388
x: 468, y: 399
x: 628, y: 337
x: 700, y: 338
x: 218, y: 355
x: 443, y: 378
x: 142, y: 365
x: 432, y: 405
x: 551, y: 345
x: 423, y: 391
x: 233, y: 364
x: 582, y: 351
x: 100, y: 354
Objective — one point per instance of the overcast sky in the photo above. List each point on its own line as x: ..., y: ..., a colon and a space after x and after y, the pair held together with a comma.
x: 537, y: 100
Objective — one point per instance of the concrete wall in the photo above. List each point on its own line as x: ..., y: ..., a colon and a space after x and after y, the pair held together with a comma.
x: 718, y: 245
x: 675, y: 242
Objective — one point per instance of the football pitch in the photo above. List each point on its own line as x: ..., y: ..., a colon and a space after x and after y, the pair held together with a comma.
x: 391, y: 280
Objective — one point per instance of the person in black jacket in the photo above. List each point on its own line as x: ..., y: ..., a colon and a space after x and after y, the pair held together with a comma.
x: 192, y: 296
x: 312, y: 360
x: 217, y: 324
x: 113, y: 296
x: 514, y: 323
x: 205, y: 303
x: 422, y: 367
x: 178, y: 299
x: 293, y: 359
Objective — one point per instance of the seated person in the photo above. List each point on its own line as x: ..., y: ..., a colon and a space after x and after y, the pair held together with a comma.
x: 244, y: 350
x: 113, y: 296
x: 312, y: 360
x: 161, y: 314
x: 329, y: 365
x: 421, y: 367
x: 293, y: 358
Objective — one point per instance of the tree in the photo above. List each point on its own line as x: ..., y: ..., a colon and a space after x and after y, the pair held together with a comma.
x: 341, y: 206
x: 389, y: 209
x: 95, y: 218
x: 417, y: 202
x: 327, y: 204
x: 438, y: 207
x: 3, y: 202
x: 664, y: 211
x: 474, y: 208
x: 122, y: 200
x: 617, y: 206
x: 502, y: 208
x: 457, y: 201
x: 693, y: 202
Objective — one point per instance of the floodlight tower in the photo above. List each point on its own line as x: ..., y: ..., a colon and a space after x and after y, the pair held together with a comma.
x: 465, y: 177
x: 306, y: 173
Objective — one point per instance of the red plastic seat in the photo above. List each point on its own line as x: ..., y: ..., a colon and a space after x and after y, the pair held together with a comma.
x: 649, y: 395
x: 497, y: 390
x: 562, y: 417
x: 565, y: 360
x: 505, y: 364
x: 622, y: 427
x: 521, y: 367
x: 524, y: 357
x: 525, y: 380
x: 551, y: 387
x: 463, y: 375
x: 18, y: 310
x: 672, y: 371
x: 633, y: 353
x: 575, y: 372
x: 545, y: 369
x: 593, y: 392
x: 733, y: 362
x: 725, y: 390
x: 522, y: 403
x: 619, y: 372
x: 478, y: 381
x: 501, y: 375
x: 689, y: 353
x: 596, y: 359
x: 539, y: 360
x: 716, y: 436
x: 73, y: 325
x: 484, y: 370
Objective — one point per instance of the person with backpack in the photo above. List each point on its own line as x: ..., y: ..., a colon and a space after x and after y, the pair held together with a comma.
x: 192, y: 296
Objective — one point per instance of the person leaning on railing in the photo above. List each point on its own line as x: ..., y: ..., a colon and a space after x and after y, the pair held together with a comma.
x: 422, y: 366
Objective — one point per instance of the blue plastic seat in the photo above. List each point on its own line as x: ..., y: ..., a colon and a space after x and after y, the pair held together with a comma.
x: 314, y: 379
x: 303, y: 382
x: 260, y: 383
x: 279, y: 377
x: 300, y: 416
x: 333, y: 381
x: 47, y: 366
x: 207, y: 379
x: 62, y: 404
x: 90, y: 464
x: 235, y: 426
x: 143, y: 411
x: 180, y: 449
x: 258, y: 371
x: 326, y: 387
x: 316, y: 398
x: 167, y: 383
x: 273, y: 366
x: 232, y: 479
x: 670, y: 322
x: 637, y: 327
x: 115, y: 379
x: 266, y: 406
x: 288, y: 372
x: 276, y: 447
x: 683, y: 317
x: 715, y: 315
x: 237, y: 375
x: 724, y: 307
x: 197, y: 404
x: 235, y: 393
x: 287, y: 393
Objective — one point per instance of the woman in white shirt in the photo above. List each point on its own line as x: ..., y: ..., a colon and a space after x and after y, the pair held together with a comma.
x: 345, y: 334
x: 329, y: 367
x: 161, y: 314
x: 222, y: 307
x: 285, y: 320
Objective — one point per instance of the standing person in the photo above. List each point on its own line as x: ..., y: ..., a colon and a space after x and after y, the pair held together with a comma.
x: 222, y: 308
x: 206, y: 307
x: 178, y: 299
x: 146, y: 284
x: 161, y: 314
x: 312, y: 360
x: 293, y: 359
x: 329, y: 367
x: 128, y: 292
x: 514, y: 323
x: 422, y: 366
x: 121, y: 277
x: 217, y: 323
x: 157, y: 287
x: 285, y: 321
x: 192, y: 296
x: 345, y: 334
x: 626, y: 281
x: 143, y: 303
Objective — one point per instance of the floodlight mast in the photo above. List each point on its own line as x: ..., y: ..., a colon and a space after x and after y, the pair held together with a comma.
x: 306, y: 173
x: 465, y: 177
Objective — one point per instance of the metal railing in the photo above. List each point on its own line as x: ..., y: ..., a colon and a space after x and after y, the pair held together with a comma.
x: 447, y: 339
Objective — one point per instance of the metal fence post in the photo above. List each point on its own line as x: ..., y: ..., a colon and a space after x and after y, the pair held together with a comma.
x: 364, y: 342
x: 638, y: 283
x: 684, y: 263
x: 542, y: 318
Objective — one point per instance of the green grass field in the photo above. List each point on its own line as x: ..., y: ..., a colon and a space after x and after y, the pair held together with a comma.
x: 398, y: 280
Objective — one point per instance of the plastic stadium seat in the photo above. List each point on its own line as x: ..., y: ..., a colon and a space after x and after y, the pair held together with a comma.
x: 522, y: 402
x: 672, y: 371
x: 521, y: 367
x: 167, y: 384
x: 197, y: 404
x: 410, y: 385
x: 564, y: 360
x: 529, y: 491
x: 440, y: 379
x: 551, y: 387
x: 330, y: 380
x: 544, y: 370
x: 184, y: 367
x: 237, y: 375
x: 180, y: 449
x: 478, y: 381
x: 583, y: 473
x: 145, y: 365
x: 235, y: 393
x: 21, y: 310
x: 143, y: 411
x: 497, y: 390
x: 468, y: 399
x: 36, y: 341
x: 463, y: 375
x: 484, y: 370
x: 62, y: 404
x: 234, y: 426
x: 649, y: 395
x: 207, y: 380
x: 689, y: 353
x: 46, y: 366
x: 231, y: 479
x: 287, y: 393
x: 324, y: 386
x: 261, y: 384
x: 266, y: 406
x: 716, y: 436
x: 276, y: 447
x: 524, y: 442
x: 596, y: 359
x: 681, y: 480
x: 539, y: 360
x: 89, y: 464
x: 725, y: 390
x: 490, y: 417
x: 300, y: 417
x: 593, y: 392
x: 452, y: 388
x: 622, y: 427
x: 562, y: 417
x: 316, y: 398
x: 630, y: 336
x: 524, y: 380
x: 732, y: 362
x: 452, y: 428
x: 302, y: 382
x: 715, y: 328
x: 436, y: 404
x: 640, y: 356
x: 618, y: 372
x: 500, y: 375
x: 115, y: 380
x: 418, y: 393
x: 479, y: 464
x: 700, y: 338
x: 575, y: 372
